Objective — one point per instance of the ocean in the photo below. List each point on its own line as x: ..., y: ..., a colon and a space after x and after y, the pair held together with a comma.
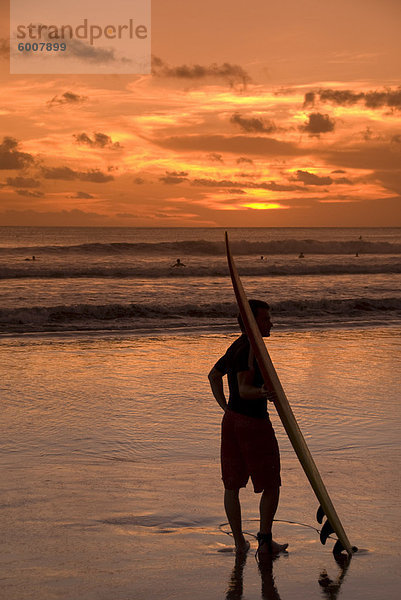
x: 125, y: 279
x: 109, y: 437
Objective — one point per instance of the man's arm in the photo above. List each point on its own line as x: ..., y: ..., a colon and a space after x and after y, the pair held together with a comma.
x: 250, y: 392
x: 216, y: 383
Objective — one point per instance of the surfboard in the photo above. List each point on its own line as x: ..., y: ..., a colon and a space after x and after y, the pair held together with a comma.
x: 326, y: 508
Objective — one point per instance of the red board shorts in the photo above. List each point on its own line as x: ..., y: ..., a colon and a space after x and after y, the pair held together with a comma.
x: 249, y: 449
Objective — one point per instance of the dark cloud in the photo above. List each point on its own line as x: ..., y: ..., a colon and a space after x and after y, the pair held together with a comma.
x: 174, y: 177
x: 10, y: 157
x: 63, y: 173
x: 312, y: 179
x: 67, y: 174
x: 88, y: 53
x: 339, y: 171
x: 309, y: 99
x: 318, y: 123
x: 99, y: 140
x: 263, y: 185
x: 243, y: 159
x: 95, y: 176
x: 215, y: 157
x: 253, y: 125
x: 279, y: 187
x: 67, y: 98
x: 238, y: 144
x: 387, y: 98
x: 396, y: 139
x: 139, y: 180
x: 23, y: 182
x: 216, y: 183
x: 231, y: 73
x: 82, y: 196
x: 28, y: 193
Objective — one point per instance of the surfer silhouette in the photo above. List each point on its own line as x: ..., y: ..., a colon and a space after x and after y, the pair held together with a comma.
x: 248, y: 443
x: 178, y: 263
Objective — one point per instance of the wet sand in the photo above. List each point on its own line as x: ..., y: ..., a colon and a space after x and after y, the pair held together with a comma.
x: 107, y: 491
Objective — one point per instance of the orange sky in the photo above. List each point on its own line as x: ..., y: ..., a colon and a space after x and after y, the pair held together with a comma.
x: 292, y: 118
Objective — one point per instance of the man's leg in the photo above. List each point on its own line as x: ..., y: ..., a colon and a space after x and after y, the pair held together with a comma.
x: 268, y: 506
x: 233, y: 512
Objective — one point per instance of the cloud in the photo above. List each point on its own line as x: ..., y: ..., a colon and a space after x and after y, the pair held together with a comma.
x: 318, y: 123
x: 67, y: 98
x: 63, y: 173
x: 174, y: 177
x: 29, y: 193
x: 82, y: 196
x: 95, y: 176
x: 312, y: 179
x: 67, y: 174
x: 88, y: 53
x: 262, y: 185
x: 253, y: 125
x: 376, y: 155
x: 387, y: 98
x: 10, y: 157
x: 243, y: 159
x: 23, y: 182
x: 231, y: 73
x: 100, y: 140
x: 215, y: 157
x: 139, y: 180
x: 262, y: 146
x: 73, y: 217
x: 216, y: 183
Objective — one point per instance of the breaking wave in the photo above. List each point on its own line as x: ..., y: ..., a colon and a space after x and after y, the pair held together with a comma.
x: 208, y: 248
x: 262, y: 269
x: 132, y: 316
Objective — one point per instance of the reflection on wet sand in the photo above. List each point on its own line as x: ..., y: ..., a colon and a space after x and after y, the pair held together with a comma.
x: 236, y: 581
x: 330, y: 588
x: 269, y: 590
x: 236, y: 587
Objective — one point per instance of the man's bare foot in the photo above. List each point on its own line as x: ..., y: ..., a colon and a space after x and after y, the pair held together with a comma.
x: 243, y: 547
x: 271, y: 549
x: 277, y: 548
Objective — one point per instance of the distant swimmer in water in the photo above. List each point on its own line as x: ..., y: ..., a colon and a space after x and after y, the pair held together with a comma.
x: 357, y: 254
x: 33, y: 258
x: 178, y: 264
x: 301, y: 255
x: 262, y: 258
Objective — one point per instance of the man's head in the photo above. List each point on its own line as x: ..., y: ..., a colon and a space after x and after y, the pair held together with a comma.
x: 261, y: 312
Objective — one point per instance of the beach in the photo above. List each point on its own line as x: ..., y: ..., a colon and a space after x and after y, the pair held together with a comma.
x: 110, y: 459
x: 109, y: 446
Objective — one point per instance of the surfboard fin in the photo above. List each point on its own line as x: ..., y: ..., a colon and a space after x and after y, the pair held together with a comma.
x: 320, y: 514
x: 338, y: 547
x: 327, y: 529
